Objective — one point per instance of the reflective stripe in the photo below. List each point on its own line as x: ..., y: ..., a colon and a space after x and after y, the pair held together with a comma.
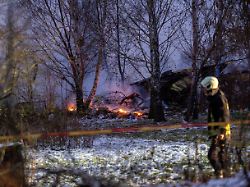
x: 228, y: 130
x: 213, y: 131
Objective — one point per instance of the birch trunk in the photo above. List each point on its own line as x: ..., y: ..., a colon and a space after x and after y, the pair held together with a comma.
x: 78, y: 61
x: 79, y: 97
x: 156, y: 109
x: 97, y: 77
x: 101, y: 7
x: 192, y: 109
x: 120, y: 67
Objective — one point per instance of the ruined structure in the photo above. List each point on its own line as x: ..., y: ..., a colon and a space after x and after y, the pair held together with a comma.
x: 175, y: 86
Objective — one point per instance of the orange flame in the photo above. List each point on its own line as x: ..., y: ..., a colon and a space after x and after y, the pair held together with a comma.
x: 138, y: 114
x: 122, y: 111
x: 71, y: 107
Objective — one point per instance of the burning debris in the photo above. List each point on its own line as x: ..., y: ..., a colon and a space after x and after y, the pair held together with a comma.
x: 127, y: 113
x: 122, y: 111
x: 116, y: 105
x: 133, y: 100
x: 129, y: 106
x: 138, y: 114
x: 71, y: 107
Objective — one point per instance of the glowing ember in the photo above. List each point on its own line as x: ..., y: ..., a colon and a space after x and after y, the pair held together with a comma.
x: 122, y: 111
x: 71, y: 107
x: 138, y: 114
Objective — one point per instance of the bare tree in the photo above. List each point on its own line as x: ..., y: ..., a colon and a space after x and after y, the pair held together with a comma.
x: 192, y: 105
x: 63, y: 30
x: 238, y: 30
x: 156, y: 109
x: 101, y: 32
x: 118, y: 44
x: 207, y: 46
x: 8, y: 67
x: 25, y: 85
x: 121, y: 67
x: 152, y: 25
x: 16, y: 48
x: 246, y: 22
x: 15, y: 57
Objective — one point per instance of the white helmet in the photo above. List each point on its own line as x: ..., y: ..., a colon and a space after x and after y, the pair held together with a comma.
x: 210, y: 83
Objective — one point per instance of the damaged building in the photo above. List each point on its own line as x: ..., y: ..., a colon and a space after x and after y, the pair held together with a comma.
x: 175, y: 85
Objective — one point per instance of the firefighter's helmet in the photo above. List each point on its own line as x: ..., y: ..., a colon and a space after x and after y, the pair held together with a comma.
x: 210, y: 83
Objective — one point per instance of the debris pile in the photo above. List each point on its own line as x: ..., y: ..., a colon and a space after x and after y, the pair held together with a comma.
x: 116, y: 105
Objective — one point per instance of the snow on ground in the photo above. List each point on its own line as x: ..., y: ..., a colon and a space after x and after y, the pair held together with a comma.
x: 134, y: 161
x: 239, y: 180
x: 153, y: 159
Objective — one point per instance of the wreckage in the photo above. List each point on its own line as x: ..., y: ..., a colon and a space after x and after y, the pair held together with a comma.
x: 175, y: 86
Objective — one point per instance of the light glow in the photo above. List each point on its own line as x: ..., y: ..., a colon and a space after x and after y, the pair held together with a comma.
x: 122, y: 111
x: 71, y: 107
x: 138, y: 114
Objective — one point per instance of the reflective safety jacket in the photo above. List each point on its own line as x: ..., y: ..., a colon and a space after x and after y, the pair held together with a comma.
x: 218, y: 111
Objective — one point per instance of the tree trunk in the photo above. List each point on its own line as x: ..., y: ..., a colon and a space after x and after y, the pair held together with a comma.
x: 246, y: 14
x: 9, y: 65
x: 192, y: 109
x: 7, y: 98
x: 248, y: 57
x: 12, y: 166
x: 219, y: 43
x: 101, y: 7
x: 156, y: 109
x: 79, y: 97
x: 120, y: 67
x: 97, y: 77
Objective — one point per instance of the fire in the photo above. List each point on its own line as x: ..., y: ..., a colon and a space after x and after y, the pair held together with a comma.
x: 122, y: 111
x: 71, y: 107
x: 138, y: 114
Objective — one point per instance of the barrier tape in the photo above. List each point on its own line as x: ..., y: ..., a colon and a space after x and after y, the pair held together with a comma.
x: 145, y: 128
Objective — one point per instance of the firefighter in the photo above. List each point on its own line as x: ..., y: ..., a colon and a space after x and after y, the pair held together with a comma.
x: 218, y: 111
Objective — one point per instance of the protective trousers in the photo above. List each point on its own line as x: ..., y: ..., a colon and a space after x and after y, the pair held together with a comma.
x: 218, y: 155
